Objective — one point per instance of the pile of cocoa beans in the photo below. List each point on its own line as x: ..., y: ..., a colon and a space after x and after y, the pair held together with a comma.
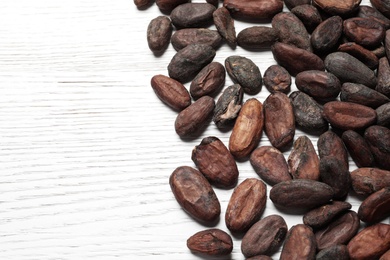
x: 331, y: 79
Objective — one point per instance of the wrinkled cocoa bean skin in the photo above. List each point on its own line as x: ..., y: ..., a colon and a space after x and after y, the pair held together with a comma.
x: 277, y: 78
x: 228, y: 106
x: 360, y: 94
x: 215, y: 162
x: 303, y: 160
x: 320, y: 85
x: 191, y: 120
x: 364, y: 55
x: 378, y: 139
x: 269, y: 163
x: 291, y: 30
x: 294, y: 59
x: 349, y: 116
x: 245, y: 72
x: 382, y: 6
x: 194, y: 194
x: 246, y: 205
x: 339, y: 252
x: 338, y: 231
x: 299, y: 244
x: 309, y: 16
x: 334, y: 173
x: 171, y: 92
x: 330, y: 144
x: 159, y: 33
x: 319, y: 217
x: 364, y: 31
x: 254, y: 10
x: 225, y: 26
x: 279, y: 121
x: 208, y: 81
x: 212, y: 242
x: 168, y: 5
x: 383, y: 85
x: 308, y: 113
x: 349, y: 69
x: 192, y: 15
x: 326, y: 35
x: 383, y: 115
x: 187, y: 36
x: 264, y: 237
x: 257, y: 37
x: 366, y: 181
x: 358, y: 148
x: 300, y: 194
x: 366, y: 11
x: 370, y: 243
x: 187, y: 62
x: 335, y: 7
x: 247, y: 129
x: 375, y: 207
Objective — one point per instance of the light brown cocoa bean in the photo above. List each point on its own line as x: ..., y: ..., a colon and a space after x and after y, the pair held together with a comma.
x: 299, y: 244
x: 211, y: 242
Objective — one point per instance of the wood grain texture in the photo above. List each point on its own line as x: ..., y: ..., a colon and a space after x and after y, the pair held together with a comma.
x: 86, y: 147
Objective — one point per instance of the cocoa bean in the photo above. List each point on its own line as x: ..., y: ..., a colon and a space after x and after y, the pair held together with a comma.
x: 309, y: 16
x: 378, y: 139
x: 364, y: 31
x: 159, y: 34
x: 383, y: 85
x: 228, y: 106
x: 335, y: 7
x: 257, y: 37
x: 299, y: 244
x: 212, y: 242
x: 329, y: 144
x: 290, y: 4
x: 225, y: 26
x: 366, y: 181
x: 184, y: 37
x: 364, y: 55
x: 383, y: 115
x: 326, y: 35
x: 255, y: 10
x: 192, y: 15
x: 358, y: 148
x: 382, y: 6
x: 168, y: 5
x: 366, y: 11
x: 375, y: 207
x: 360, y: 94
x: 339, y: 252
x: 277, y: 78
x: 208, y: 81
x: 321, y: 216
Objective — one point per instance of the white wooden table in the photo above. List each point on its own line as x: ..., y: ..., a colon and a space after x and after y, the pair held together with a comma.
x: 86, y: 148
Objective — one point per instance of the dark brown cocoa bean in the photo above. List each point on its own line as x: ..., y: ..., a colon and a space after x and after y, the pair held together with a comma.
x: 194, y: 194
x: 349, y: 116
x: 308, y: 113
x: 246, y: 205
x: 159, y: 34
x: 294, y: 59
x: 277, y: 78
x: 360, y: 53
x: 279, y: 121
x: 253, y: 9
x: 364, y: 31
x: 215, y: 162
x: 192, y: 15
x: 209, y: 80
x: 193, y: 119
x: 379, y: 51
x: 257, y: 37
x: 299, y: 244
x: 167, y: 6
x: 334, y: 173
x: 320, y: 85
x: 309, y: 16
x: 370, y: 243
x: 303, y: 160
x: 185, y: 37
x: 383, y: 85
x: 141, y: 4
x: 321, y: 216
x: 335, y: 7
x: 171, y: 92
x: 383, y: 115
x: 382, y: 6
x: 339, y: 252
x: 225, y: 26
x: 360, y: 94
x: 187, y: 62
x: 349, y: 69
x: 291, y: 30
x: 228, y: 106
x: 366, y: 181
x: 290, y: 4
x: 339, y: 231
x: 375, y: 207
x: 245, y: 72
x: 358, y: 148
x: 247, y: 129
x: 378, y: 139
x: 385, y: 256
x: 269, y: 163
x: 264, y: 237
x: 326, y: 35
x: 330, y: 144
x: 300, y: 194
x: 366, y: 11
x: 261, y: 257
x: 212, y: 242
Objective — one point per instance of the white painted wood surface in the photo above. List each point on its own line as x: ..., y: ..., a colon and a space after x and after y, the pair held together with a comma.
x: 86, y: 148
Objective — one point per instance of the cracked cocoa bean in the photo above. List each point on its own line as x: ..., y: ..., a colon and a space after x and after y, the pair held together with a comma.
x: 228, y: 106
